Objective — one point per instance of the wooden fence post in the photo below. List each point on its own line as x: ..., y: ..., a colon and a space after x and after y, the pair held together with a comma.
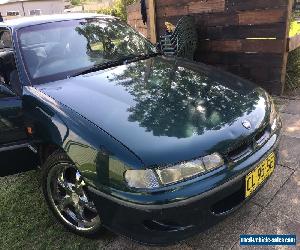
x: 247, y: 38
x: 286, y: 43
x: 152, y: 20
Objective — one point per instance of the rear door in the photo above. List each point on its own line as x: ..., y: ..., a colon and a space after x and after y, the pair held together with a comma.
x: 15, y: 145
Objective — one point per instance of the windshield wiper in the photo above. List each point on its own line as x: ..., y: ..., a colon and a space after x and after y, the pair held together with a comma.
x: 132, y: 58
x: 98, y: 67
x: 124, y: 60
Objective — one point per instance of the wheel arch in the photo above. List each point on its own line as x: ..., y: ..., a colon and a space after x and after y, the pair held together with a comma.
x: 87, y: 145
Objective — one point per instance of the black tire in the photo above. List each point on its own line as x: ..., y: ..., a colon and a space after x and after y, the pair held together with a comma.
x: 54, y: 162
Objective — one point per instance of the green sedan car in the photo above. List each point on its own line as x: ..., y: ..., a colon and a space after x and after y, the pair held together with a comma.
x: 150, y: 147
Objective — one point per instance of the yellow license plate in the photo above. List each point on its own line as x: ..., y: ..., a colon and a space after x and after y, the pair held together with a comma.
x: 262, y: 172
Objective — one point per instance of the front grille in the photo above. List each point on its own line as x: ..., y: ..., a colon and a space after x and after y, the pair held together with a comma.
x: 247, y: 147
x: 262, y: 136
x: 240, y: 151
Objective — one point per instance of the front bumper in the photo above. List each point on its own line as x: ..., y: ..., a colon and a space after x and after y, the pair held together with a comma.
x: 168, y: 217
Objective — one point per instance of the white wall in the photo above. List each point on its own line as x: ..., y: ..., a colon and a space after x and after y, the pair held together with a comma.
x: 47, y: 7
x: 10, y: 7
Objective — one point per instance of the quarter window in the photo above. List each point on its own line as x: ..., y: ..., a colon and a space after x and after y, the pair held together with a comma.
x: 8, y: 71
x: 5, y: 39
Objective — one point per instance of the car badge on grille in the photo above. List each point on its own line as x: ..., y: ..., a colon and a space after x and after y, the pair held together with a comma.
x: 247, y: 124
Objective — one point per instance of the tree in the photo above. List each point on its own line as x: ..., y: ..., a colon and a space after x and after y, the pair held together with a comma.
x: 75, y: 2
x: 119, y: 9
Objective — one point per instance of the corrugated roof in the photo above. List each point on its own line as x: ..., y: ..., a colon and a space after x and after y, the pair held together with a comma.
x: 15, y: 1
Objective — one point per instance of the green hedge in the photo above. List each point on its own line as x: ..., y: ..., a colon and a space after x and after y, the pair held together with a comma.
x: 293, y: 70
x: 119, y: 9
x: 75, y: 2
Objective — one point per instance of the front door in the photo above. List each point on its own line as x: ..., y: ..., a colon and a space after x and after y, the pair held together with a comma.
x: 15, y: 153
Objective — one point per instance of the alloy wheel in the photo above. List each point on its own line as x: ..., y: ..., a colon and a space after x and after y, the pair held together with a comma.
x: 66, y: 190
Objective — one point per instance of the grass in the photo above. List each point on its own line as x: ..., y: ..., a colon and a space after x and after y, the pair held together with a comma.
x: 26, y: 223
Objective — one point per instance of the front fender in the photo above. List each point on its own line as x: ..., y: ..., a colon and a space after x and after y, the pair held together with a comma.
x: 88, y: 146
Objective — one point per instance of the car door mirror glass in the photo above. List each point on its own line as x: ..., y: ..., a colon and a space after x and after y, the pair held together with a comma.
x: 5, y: 39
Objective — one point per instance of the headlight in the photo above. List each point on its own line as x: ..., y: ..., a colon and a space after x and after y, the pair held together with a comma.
x: 149, y: 179
x: 180, y: 172
x: 145, y: 179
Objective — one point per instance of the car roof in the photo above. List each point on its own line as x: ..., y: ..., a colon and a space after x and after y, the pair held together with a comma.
x: 34, y: 20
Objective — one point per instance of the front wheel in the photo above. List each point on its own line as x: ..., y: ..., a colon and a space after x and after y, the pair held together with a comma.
x: 65, y: 193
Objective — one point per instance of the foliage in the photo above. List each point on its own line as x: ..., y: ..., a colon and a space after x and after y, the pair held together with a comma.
x: 294, y: 28
x: 75, y: 2
x: 119, y: 9
x: 293, y: 70
x: 293, y: 63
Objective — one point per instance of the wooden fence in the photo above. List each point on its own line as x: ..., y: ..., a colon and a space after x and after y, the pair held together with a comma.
x: 248, y: 38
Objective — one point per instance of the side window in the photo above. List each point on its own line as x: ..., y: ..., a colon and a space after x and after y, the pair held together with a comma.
x: 8, y: 71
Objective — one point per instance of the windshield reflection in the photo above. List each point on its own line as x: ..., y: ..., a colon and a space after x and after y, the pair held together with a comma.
x: 54, y: 51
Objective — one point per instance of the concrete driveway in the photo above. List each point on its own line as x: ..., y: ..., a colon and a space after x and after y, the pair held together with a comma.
x: 274, y: 210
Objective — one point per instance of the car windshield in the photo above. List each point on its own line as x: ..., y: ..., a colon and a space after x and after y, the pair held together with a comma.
x: 57, y: 50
